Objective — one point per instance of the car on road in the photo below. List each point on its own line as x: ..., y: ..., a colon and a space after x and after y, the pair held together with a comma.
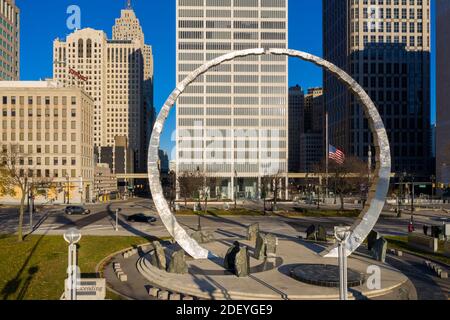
x: 76, y: 210
x: 140, y: 217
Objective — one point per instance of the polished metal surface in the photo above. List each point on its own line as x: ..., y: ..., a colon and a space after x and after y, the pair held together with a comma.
x: 377, y: 193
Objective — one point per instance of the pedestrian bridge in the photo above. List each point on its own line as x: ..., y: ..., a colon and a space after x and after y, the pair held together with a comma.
x: 130, y: 176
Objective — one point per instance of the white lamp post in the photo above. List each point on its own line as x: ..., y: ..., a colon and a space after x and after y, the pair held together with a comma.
x: 72, y: 237
x: 342, y: 234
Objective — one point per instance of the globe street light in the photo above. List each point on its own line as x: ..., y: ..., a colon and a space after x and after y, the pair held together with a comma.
x: 342, y: 234
x: 72, y: 237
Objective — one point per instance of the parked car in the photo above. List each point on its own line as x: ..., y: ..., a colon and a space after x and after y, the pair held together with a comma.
x: 76, y: 210
x: 140, y: 217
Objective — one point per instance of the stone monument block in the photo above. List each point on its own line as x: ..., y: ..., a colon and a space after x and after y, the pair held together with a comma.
x: 178, y: 263
x: 203, y: 237
x: 230, y: 257
x: 252, y: 232
x: 242, y: 263
x: 379, y: 250
x: 260, y: 248
x: 311, y: 233
x: 159, y: 256
x: 271, y: 242
x: 372, y: 238
x: 321, y: 234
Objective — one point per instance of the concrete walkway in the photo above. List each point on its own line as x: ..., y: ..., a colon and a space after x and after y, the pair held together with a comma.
x: 207, y: 281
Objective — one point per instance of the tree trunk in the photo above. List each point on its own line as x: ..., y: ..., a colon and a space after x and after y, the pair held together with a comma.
x: 342, y: 201
x: 21, y: 214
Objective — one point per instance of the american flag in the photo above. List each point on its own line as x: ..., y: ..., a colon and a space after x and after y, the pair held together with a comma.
x: 336, y: 155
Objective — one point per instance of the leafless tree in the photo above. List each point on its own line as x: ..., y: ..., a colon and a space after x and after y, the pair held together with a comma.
x: 266, y: 187
x: 189, y: 185
x: 17, y: 178
x: 170, y: 185
x: 347, y: 177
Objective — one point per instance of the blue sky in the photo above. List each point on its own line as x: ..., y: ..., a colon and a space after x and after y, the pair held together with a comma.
x: 45, y: 20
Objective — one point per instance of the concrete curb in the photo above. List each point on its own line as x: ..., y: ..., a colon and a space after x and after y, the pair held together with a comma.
x: 100, y: 266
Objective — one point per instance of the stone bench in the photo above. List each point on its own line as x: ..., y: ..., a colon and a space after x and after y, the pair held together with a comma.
x: 119, y: 272
x: 438, y: 270
x: 396, y: 252
x: 130, y: 253
x: 422, y: 242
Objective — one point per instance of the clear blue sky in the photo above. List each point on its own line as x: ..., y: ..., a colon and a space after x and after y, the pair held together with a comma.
x: 44, y: 20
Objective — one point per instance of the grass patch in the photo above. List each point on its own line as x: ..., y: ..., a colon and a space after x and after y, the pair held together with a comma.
x: 302, y: 212
x: 299, y: 212
x: 401, y: 243
x: 222, y: 212
x: 36, y: 268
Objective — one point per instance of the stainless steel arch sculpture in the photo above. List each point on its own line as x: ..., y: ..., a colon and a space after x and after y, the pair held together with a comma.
x: 377, y: 193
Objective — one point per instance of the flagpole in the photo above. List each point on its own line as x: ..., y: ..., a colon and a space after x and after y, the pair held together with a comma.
x: 327, y: 156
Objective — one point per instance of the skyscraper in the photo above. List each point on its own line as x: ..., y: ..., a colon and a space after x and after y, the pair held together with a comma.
x: 128, y: 27
x: 312, y: 139
x: 118, y: 74
x: 10, y: 37
x: 385, y: 46
x: 443, y: 91
x: 232, y: 122
x: 296, y: 126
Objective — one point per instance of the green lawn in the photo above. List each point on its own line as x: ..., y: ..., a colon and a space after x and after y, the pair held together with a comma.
x: 401, y: 243
x: 36, y: 268
x: 299, y: 212
x: 221, y: 212
x: 302, y: 212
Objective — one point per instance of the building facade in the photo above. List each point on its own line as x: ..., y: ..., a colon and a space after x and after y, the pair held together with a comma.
x: 443, y: 91
x: 10, y: 40
x: 385, y: 46
x: 105, y: 183
x: 49, y: 129
x: 128, y: 27
x: 312, y: 139
x: 232, y: 123
x: 118, y: 74
x: 296, y: 126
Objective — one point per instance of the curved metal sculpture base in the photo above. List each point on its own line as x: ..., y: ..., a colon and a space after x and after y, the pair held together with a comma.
x: 377, y: 193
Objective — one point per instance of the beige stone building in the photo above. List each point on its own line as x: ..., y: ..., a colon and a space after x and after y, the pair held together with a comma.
x: 118, y: 74
x: 50, y: 130
x: 9, y: 40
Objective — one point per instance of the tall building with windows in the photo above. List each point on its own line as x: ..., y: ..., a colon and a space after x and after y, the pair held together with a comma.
x: 312, y: 139
x: 296, y: 126
x: 232, y: 123
x: 443, y: 91
x: 385, y: 46
x: 49, y: 130
x: 118, y: 74
x: 128, y: 27
x: 10, y: 39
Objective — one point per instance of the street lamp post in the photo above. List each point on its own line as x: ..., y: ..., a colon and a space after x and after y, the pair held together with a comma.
x: 72, y: 237
x: 342, y: 234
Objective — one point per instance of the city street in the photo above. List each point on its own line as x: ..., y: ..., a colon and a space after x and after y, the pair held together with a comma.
x: 52, y: 220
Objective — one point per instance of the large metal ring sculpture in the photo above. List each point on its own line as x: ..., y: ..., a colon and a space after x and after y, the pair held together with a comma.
x: 377, y: 193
